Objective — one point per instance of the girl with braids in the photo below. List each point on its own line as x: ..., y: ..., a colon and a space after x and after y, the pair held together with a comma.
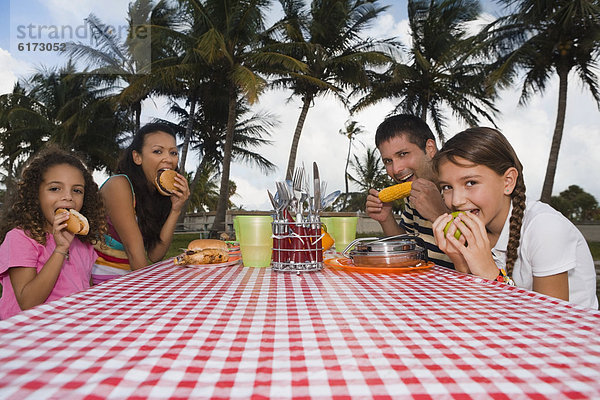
x: 502, y: 235
x: 140, y: 220
x: 40, y: 260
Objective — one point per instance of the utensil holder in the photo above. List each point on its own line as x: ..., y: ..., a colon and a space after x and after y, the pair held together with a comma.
x: 297, y: 246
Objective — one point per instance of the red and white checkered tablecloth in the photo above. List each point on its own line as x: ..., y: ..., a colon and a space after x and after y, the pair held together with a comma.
x: 177, y: 332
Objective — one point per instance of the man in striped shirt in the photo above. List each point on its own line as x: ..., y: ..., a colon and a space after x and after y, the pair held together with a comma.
x: 407, y: 145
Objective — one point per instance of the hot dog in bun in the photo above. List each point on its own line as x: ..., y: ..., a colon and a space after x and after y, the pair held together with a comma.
x: 204, y: 251
x: 165, y: 181
x: 77, y: 223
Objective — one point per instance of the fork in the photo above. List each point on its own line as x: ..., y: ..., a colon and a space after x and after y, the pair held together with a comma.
x: 319, y: 206
x: 283, y: 241
x: 309, y: 229
x: 297, y: 185
x: 299, y: 243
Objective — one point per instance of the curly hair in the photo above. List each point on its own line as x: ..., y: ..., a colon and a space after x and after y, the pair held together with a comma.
x: 22, y: 208
x: 489, y: 147
x: 151, y: 208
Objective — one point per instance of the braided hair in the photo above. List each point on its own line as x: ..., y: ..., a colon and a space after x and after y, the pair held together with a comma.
x: 488, y: 147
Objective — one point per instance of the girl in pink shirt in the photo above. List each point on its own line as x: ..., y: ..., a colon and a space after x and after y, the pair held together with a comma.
x: 40, y: 260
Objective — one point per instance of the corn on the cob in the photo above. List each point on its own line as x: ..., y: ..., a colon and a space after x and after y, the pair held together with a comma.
x: 395, y: 192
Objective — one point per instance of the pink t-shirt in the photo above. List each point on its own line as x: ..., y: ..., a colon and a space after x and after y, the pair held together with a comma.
x: 19, y: 250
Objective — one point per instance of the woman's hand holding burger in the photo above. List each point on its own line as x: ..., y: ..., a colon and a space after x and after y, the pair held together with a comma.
x: 170, y: 183
x: 180, y: 195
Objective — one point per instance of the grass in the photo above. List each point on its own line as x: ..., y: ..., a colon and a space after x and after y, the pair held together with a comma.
x: 180, y: 241
x: 595, y: 249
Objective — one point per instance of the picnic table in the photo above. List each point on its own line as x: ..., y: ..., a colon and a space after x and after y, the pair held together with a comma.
x: 169, y: 331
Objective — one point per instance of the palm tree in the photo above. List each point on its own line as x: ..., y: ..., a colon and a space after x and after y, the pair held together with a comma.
x: 250, y: 133
x: 61, y: 106
x: 443, y: 71
x: 329, y: 39
x: 544, y: 38
x: 23, y: 130
x: 351, y: 130
x: 205, y: 194
x: 121, y: 60
x: 181, y: 72
x: 369, y: 172
x: 231, y: 47
x: 79, y: 114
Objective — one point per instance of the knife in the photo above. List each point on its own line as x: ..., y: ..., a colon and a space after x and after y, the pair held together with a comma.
x: 316, y: 229
x: 317, y: 188
x: 280, y: 252
x: 273, y: 202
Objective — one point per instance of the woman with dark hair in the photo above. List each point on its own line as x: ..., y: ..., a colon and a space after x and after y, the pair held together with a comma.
x: 140, y: 220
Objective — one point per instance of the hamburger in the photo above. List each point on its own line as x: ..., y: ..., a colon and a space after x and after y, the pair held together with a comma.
x: 204, y: 251
x: 77, y: 223
x: 165, y: 181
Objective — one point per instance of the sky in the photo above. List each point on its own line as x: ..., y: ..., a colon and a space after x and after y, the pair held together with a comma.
x: 529, y: 128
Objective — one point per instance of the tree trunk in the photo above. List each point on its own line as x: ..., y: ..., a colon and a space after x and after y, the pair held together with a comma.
x: 188, y: 133
x: 137, y: 114
x: 11, y: 177
x: 219, y: 223
x: 294, y: 150
x: 184, y: 152
x: 563, y: 74
x: 193, y: 185
x: 197, y: 175
x: 346, y: 171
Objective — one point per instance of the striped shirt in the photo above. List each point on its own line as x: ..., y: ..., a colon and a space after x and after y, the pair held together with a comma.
x: 112, y: 260
x: 412, y: 222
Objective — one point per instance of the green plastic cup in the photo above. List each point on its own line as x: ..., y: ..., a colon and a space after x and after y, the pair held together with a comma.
x: 343, y: 231
x: 327, y: 222
x: 255, y: 238
x: 236, y: 228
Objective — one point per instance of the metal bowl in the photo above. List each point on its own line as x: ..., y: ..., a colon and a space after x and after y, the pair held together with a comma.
x: 402, y: 251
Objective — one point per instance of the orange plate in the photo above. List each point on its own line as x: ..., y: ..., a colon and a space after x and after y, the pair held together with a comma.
x: 347, y: 264
x: 233, y: 260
